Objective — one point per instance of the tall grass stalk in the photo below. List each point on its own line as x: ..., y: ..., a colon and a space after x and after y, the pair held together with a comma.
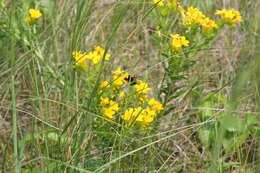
x: 13, y: 90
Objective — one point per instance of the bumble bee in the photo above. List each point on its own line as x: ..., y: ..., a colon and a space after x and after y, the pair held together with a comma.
x: 131, y: 79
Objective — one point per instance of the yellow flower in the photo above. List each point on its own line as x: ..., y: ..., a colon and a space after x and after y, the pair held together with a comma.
x: 121, y: 95
x: 148, y: 117
x: 208, y: 24
x: 132, y: 114
x: 118, y: 71
x: 159, y: 3
x: 178, y: 42
x: 139, y: 115
x: 192, y: 16
x: 108, y: 112
x: 97, y: 55
x: 104, y: 101
x: 100, y: 51
x: 114, y: 105
x: 94, y: 56
x: 109, y: 107
x: 104, y: 84
x: 173, y: 3
x: 142, y: 98
x: 229, y: 16
x: 80, y: 58
x: 142, y: 87
x: 118, y: 81
x: 35, y: 14
x: 155, y: 105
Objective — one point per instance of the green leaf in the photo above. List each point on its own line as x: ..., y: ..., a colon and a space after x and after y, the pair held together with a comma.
x: 204, y: 136
x: 232, y: 123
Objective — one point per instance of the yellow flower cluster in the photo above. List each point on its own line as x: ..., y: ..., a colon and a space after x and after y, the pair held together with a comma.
x: 139, y: 115
x: 94, y: 57
x: 159, y: 3
x: 229, y: 16
x: 178, y: 42
x: 144, y: 111
x: 168, y: 3
x: 143, y: 116
x: 142, y: 88
x: 193, y: 16
x: 119, y: 78
x: 33, y: 15
x: 109, y: 107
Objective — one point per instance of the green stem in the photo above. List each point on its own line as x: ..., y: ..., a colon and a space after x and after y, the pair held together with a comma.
x: 13, y: 95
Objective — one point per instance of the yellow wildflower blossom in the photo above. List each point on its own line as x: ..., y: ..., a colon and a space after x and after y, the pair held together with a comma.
x: 155, y: 105
x: 109, y: 107
x: 142, y: 98
x: 118, y: 71
x: 147, y: 117
x: 94, y: 56
x: 229, y: 16
x: 142, y: 87
x: 121, y: 95
x: 132, y: 114
x: 100, y: 52
x: 208, y: 25
x: 108, y: 112
x: 128, y: 114
x: 80, y: 58
x: 192, y: 16
x: 104, y: 101
x: 104, y: 84
x: 118, y: 81
x: 178, y: 42
x: 173, y: 3
x: 35, y: 14
x: 139, y: 115
x: 114, y: 106
x: 159, y: 3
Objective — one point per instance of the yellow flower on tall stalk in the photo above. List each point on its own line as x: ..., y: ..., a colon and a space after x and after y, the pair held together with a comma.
x: 122, y: 95
x: 33, y: 15
x: 230, y: 16
x: 173, y: 3
x: 139, y: 115
x: 178, y: 42
x: 80, y: 58
x: 148, y: 117
x: 118, y: 71
x: 142, y: 97
x: 109, y: 107
x: 192, y: 16
x: 159, y: 3
x: 119, y: 78
x: 104, y: 101
x: 104, y: 84
x: 95, y: 57
x: 155, y: 105
x: 168, y: 3
x: 208, y: 25
x: 142, y: 87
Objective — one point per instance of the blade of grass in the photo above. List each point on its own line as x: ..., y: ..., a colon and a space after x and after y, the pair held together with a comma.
x: 13, y: 91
